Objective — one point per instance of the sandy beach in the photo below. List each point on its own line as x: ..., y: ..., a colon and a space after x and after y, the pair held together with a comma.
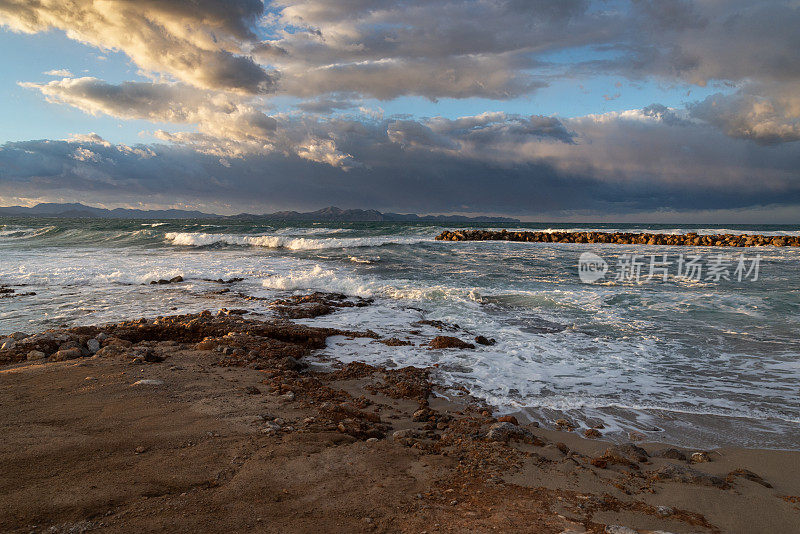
x: 230, y: 421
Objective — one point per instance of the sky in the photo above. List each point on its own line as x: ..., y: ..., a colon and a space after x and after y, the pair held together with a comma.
x: 623, y: 110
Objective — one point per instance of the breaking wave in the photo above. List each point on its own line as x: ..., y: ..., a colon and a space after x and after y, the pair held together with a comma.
x: 197, y: 239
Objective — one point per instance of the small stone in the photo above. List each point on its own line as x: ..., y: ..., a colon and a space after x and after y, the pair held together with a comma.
x: 423, y: 414
x: 66, y: 354
x: 19, y: 336
x: 563, y: 424
x: 176, y: 279
x: 151, y: 357
x: 8, y: 344
x: 592, y: 433
x: 93, y: 345
x: 270, y: 427
x: 617, y: 529
x: 504, y: 432
x: 633, y: 435
x: 626, y: 451
x: 508, y: 419
x: 687, y: 475
x: 700, y: 457
x: 599, y: 462
x: 404, y: 434
x: 373, y: 440
x: 140, y: 449
x: 36, y: 355
x: 291, y: 364
x: 288, y: 396
x: 482, y: 340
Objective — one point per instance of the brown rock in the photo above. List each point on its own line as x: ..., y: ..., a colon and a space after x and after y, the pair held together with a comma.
x: 482, y: 340
x: 747, y: 474
x: 592, y: 433
x: 449, y: 342
x: 36, y: 355
x: 66, y: 354
x: 508, y: 419
x: 626, y: 451
x: 687, y: 475
x: 563, y: 424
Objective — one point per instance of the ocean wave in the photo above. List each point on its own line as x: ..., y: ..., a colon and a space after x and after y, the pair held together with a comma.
x: 18, y: 232
x: 320, y: 278
x: 199, y: 239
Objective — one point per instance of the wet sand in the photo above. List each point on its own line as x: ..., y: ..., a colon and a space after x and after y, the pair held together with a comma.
x: 215, y: 422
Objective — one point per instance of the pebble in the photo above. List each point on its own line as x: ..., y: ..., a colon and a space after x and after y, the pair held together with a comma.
x: 288, y: 396
x: 140, y: 449
x: 617, y: 529
x: 8, y: 344
x: 93, y: 345
x: 372, y: 440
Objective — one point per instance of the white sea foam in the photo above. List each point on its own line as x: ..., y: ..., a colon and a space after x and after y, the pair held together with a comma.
x: 607, y: 352
x: 286, y: 242
x: 18, y: 232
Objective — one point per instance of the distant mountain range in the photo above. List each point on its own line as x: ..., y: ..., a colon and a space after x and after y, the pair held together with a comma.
x: 331, y: 213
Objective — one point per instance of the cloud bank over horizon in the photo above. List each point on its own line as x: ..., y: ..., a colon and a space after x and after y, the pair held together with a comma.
x: 220, y: 75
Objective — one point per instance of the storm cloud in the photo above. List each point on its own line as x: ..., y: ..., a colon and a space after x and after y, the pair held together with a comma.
x: 212, y: 69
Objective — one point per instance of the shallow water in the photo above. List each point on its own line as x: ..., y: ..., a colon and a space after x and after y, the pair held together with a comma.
x: 704, y: 362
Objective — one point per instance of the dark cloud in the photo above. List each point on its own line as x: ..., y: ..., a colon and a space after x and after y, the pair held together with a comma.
x: 671, y: 167
x: 737, y: 149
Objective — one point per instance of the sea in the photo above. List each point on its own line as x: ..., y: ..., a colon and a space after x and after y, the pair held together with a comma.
x: 652, y: 350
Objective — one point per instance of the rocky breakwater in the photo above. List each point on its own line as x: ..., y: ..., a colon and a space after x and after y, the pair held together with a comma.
x: 623, y: 238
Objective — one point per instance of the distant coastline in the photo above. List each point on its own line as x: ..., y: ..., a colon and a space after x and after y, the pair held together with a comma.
x: 332, y: 213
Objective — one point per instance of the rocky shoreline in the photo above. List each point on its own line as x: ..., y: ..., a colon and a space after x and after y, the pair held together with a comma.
x: 623, y: 238
x: 258, y: 437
